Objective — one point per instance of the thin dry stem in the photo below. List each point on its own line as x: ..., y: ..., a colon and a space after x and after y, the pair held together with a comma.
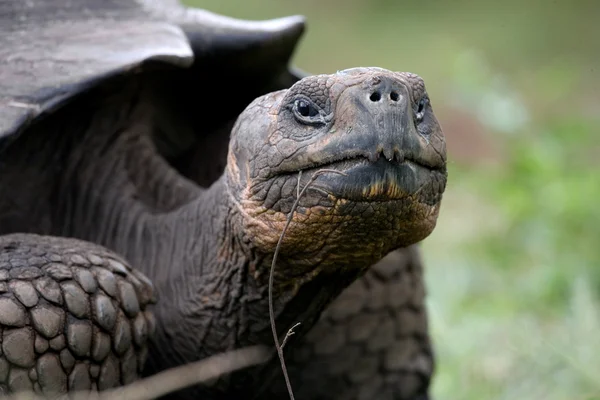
x: 272, y: 273
x: 289, y: 334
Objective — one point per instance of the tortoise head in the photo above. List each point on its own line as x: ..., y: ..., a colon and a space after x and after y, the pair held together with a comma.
x: 382, y: 156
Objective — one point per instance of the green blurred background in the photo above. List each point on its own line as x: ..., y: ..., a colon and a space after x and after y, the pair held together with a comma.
x: 513, y: 268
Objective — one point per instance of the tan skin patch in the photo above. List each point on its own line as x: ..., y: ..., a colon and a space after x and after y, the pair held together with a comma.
x: 310, y: 227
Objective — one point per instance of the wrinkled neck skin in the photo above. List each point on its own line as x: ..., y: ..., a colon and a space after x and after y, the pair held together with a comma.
x: 194, y: 258
x: 213, y: 292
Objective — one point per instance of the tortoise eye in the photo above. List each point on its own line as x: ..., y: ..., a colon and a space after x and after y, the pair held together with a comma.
x: 306, y: 109
x: 421, y: 107
x: 307, y: 113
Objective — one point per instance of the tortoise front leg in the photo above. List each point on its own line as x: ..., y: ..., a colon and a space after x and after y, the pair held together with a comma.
x: 73, y: 316
x: 372, y: 342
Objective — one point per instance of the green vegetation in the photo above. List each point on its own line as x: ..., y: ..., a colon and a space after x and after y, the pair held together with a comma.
x: 513, y: 269
x: 513, y: 274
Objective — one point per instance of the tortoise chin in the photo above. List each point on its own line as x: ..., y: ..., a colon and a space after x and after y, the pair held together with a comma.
x: 353, y: 213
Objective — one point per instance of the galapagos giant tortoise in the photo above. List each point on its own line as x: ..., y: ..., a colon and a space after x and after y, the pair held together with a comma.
x: 150, y: 151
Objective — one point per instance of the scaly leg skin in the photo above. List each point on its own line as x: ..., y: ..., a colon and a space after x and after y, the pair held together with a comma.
x: 371, y: 342
x: 73, y: 316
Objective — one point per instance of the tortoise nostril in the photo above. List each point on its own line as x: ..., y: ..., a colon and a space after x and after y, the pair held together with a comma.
x: 375, y: 96
x: 394, y: 96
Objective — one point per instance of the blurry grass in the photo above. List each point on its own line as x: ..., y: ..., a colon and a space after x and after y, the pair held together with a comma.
x: 513, y: 273
x: 513, y: 268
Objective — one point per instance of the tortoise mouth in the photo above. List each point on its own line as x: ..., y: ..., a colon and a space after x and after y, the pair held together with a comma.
x: 361, y: 179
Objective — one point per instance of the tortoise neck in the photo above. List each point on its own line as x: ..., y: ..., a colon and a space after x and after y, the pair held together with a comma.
x: 177, y: 248
x: 208, y: 299
x: 213, y: 287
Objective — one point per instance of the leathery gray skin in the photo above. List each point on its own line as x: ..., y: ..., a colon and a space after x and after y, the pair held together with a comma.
x: 208, y: 251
